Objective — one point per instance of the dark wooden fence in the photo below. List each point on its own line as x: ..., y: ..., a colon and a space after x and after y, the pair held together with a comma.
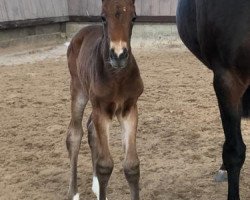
x: 16, y: 13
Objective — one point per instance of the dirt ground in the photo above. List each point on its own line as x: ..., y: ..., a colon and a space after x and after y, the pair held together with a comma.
x: 179, y: 136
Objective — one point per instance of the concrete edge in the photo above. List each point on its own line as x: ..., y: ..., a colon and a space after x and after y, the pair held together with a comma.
x: 144, y: 34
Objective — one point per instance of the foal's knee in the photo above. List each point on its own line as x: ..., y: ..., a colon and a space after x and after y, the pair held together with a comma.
x: 104, y: 167
x: 234, y: 155
x: 132, y: 170
x: 74, y: 135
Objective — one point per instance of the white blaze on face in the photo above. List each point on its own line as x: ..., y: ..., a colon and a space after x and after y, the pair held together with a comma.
x: 118, y: 46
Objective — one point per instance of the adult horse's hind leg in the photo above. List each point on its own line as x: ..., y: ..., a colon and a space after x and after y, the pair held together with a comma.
x: 75, y: 133
x: 131, y: 163
x: 229, y: 89
x: 98, y: 135
x: 221, y: 176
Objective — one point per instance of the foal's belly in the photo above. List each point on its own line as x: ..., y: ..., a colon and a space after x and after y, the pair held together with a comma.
x: 114, y: 107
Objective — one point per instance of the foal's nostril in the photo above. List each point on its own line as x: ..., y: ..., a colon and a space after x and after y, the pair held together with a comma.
x: 119, y: 60
x: 124, y: 54
x: 113, y: 54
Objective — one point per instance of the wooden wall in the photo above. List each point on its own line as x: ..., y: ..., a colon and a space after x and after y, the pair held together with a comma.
x: 19, y: 13
x: 13, y: 10
x: 143, y: 7
x: 156, y: 7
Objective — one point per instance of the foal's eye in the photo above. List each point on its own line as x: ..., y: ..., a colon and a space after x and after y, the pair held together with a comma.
x: 103, y: 19
x: 133, y: 19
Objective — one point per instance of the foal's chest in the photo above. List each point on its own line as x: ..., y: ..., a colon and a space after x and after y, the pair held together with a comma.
x: 116, y: 97
x: 117, y: 90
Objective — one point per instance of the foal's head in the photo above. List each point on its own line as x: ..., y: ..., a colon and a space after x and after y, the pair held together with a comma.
x: 118, y: 17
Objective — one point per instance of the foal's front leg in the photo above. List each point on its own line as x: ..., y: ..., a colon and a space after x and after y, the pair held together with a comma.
x: 75, y: 133
x: 98, y: 133
x: 131, y: 163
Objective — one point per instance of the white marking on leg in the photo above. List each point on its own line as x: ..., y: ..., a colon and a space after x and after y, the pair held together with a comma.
x: 76, y: 197
x: 96, y: 187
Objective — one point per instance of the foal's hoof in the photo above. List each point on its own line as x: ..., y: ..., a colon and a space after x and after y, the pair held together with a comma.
x: 76, y: 197
x: 72, y: 196
x: 221, y: 176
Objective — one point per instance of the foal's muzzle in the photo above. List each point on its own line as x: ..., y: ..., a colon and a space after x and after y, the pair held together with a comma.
x: 119, y: 61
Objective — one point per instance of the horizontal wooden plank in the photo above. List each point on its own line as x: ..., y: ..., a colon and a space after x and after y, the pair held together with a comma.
x: 174, y: 4
x: 15, y: 10
x: 165, y: 7
x: 51, y: 20
x: 155, y: 19
x: 93, y: 7
x: 3, y: 12
x: 32, y: 22
x: 138, y: 4
x: 60, y: 7
x: 77, y: 7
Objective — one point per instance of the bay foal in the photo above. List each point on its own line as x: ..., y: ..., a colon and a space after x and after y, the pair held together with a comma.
x: 217, y: 32
x: 104, y: 71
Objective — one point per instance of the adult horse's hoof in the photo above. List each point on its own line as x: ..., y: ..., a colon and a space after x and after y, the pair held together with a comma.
x: 221, y: 176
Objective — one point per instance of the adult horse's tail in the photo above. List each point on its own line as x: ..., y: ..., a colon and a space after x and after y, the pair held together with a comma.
x: 246, y: 104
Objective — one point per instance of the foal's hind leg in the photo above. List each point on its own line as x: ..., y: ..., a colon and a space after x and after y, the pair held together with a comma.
x: 75, y: 133
x: 131, y: 163
x: 98, y: 135
x: 229, y: 90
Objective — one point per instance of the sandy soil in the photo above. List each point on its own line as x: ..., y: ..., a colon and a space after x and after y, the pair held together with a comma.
x: 179, y: 138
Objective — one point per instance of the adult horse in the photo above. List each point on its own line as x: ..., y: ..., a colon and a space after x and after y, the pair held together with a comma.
x: 217, y: 32
x: 104, y: 71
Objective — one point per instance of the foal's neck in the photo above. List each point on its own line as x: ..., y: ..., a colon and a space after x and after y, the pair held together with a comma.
x: 104, y: 50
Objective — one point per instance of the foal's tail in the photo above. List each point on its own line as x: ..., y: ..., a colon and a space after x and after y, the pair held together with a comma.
x: 246, y: 104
